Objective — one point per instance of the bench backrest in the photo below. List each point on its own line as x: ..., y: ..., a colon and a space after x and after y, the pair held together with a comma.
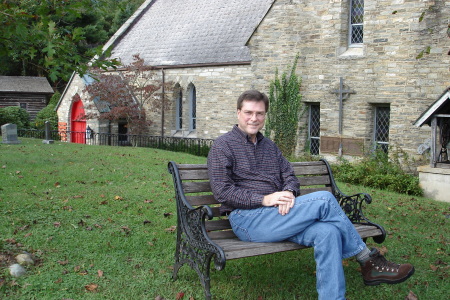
x: 313, y: 176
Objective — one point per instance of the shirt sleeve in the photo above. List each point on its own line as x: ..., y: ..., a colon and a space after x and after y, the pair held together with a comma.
x: 220, y: 164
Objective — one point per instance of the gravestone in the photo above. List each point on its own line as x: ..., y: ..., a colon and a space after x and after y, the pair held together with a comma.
x: 9, y: 134
x: 48, y: 134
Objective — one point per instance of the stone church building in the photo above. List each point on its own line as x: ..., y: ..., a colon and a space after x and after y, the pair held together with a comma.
x: 365, y: 69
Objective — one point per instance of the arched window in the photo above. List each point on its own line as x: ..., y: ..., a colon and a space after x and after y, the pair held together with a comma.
x: 192, y: 107
x: 178, y: 108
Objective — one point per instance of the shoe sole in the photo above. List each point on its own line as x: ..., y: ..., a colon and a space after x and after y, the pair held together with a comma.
x: 380, y: 281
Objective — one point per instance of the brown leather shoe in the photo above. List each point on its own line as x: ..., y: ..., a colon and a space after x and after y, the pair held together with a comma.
x: 376, y: 269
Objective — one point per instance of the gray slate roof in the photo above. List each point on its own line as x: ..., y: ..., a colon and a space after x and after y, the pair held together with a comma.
x: 185, y: 32
x: 25, y: 84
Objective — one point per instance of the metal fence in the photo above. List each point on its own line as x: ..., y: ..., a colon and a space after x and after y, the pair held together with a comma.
x: 199, y: 147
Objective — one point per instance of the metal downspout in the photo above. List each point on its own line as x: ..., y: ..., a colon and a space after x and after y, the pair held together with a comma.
x: 163, y: 101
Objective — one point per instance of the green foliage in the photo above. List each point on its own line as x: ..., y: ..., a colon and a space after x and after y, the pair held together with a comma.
x: 285, y: 110
x: 56, y: 38
x: 377, y: 170
x: 15, y: 115
x: 48, y: 113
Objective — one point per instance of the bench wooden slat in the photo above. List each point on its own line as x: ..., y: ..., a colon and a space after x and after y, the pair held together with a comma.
x: 315, y: 180
x: 201, y: 200
x: 217, y: 225
x: 196, y: 186
x: 216, y: 211
x: 223, y: 234
x: 304, y: 191
x: 300, y: 170
x: 366, y: 231
x: 235, y: 248
x: 194, y: 174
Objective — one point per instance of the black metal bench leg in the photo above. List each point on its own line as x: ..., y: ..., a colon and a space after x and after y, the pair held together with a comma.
x: 203, y: 271
x: 177, y: 265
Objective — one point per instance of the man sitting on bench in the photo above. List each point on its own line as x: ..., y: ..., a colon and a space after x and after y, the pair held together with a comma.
x: 257, y: 188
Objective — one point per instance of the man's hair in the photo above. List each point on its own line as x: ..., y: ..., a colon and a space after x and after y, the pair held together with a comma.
x: 253, y: 95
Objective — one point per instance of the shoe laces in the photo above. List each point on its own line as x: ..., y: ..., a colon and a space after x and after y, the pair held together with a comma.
x: 382, y: 264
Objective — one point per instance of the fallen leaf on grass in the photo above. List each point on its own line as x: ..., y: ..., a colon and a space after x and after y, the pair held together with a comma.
x: 383, y: 250
x: 167, y: 214
x: 434, y: 268
x: 91, y: 287
x: 100, y: 273
x: 63, y: 262
x: 118, y: 198
x: 126, y: 229
x: 59, y: 280
x: 159, y: 298
x: 180, y: 296
x: 171, y: 229
x: 57, y: 224
x: 77, y: 197
x: 411, y: 296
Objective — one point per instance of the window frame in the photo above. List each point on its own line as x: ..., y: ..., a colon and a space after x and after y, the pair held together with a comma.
x: 310, y: 122
x: 382, y: 144
x: 192, y: 107
x: 351, y: 25
x: 179, y: 110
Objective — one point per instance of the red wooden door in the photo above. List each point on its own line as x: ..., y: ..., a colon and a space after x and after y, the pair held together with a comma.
x: 78, y: 123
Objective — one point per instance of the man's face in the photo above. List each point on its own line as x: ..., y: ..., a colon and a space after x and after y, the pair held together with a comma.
x: 251, y: 117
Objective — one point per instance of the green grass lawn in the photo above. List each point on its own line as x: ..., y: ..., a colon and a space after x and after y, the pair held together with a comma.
x: 99, y: 222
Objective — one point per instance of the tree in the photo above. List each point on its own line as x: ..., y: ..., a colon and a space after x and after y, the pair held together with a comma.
x: 126, y: 95
x: 285, y: 110
x: 56, y: 38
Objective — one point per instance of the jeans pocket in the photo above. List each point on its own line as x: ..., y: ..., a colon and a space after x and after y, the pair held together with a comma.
x: 237, y: 220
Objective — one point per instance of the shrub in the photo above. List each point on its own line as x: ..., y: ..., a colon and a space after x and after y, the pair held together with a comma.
x: 377, y: 170
x: 14, y: 115
x: 48, y: 113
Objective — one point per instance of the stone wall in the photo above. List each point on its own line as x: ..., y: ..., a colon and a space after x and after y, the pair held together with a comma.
x: 217, y: 89
x: 383, y: 71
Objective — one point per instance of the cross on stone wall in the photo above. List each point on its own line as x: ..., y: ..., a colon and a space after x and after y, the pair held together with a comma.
x: 343, y: 93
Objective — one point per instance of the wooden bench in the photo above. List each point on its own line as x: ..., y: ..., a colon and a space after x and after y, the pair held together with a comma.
x: 203, y: 234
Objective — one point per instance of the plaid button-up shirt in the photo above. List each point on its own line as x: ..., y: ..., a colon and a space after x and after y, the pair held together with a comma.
x: 242, y: 173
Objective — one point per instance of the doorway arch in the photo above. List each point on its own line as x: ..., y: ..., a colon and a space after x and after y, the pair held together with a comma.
x: 78, y: 122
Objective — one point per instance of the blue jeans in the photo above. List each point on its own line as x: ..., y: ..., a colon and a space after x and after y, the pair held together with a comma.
x: 316, y: 220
